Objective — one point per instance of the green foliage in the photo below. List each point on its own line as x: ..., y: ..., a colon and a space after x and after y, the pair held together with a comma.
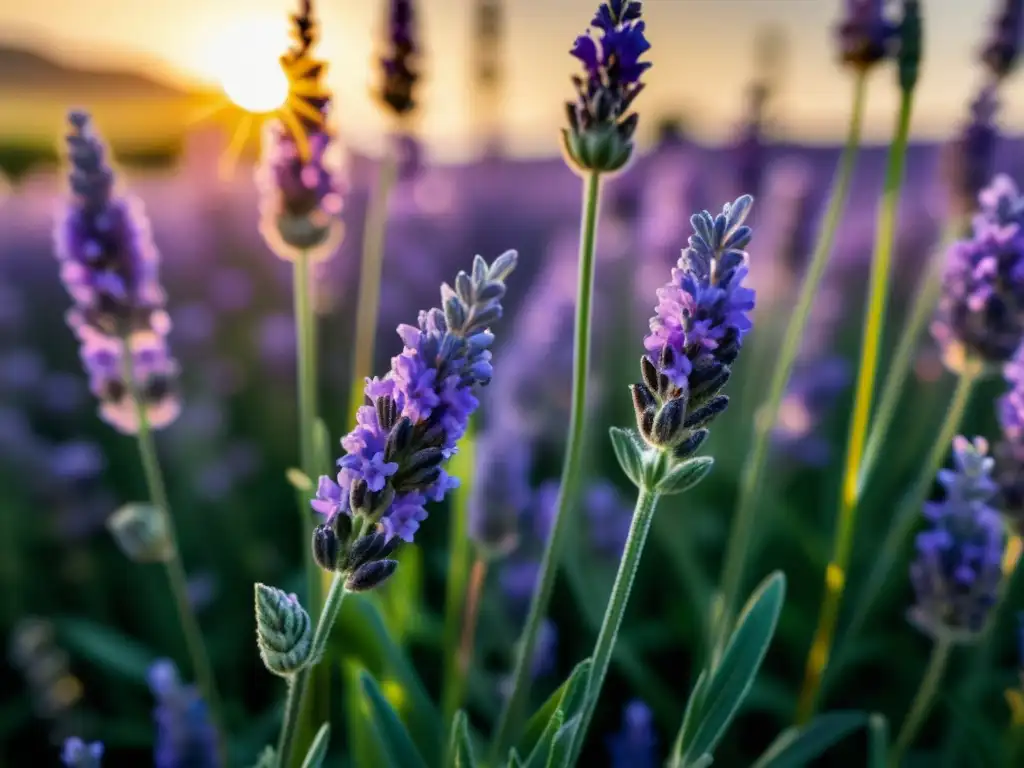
x: 797, y: 747
x: 397, y: 741
x: 721, y: 690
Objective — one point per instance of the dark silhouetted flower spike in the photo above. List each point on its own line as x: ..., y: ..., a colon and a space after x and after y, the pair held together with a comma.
x: 109, y: 266
x: 500, y: 493
x: 981, y: 311
x: 865, y: 34
x: 1002, y: 49
x: 968, y: 158
x: 109, y: 263
x: 301, y: 171
x: 284, y: 633
x: 749, y: 150
x: 79, y: 754
x: 601, y: 127
x: 394, y: 462
x: 399, y: 69
x: 911, y: 39
x: 185, y: 736
x: 959, y: 565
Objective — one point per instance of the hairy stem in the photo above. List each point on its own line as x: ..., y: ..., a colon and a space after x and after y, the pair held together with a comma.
x: 299, y: 682
x: 570, y: 478
x: 176, y: 576
x: 643, y: 514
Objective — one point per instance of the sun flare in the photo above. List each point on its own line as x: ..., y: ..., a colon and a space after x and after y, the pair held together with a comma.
x: 245, y: 63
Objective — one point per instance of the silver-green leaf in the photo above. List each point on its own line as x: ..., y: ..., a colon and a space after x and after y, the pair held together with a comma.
x: 318, y: 749
x: 685, y: 475
x: 629, y: 452
x: 797, y: 747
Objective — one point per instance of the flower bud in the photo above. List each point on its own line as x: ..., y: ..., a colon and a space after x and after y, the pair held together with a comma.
x: 142, y: 533
x: 284, y: 632
x: 371, y: 575
x: 326, y: 547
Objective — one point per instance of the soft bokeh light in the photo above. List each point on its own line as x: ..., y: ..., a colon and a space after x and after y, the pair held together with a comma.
x: 244, y: 61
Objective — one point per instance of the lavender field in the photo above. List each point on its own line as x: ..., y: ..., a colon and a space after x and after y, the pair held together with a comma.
x: 713, y: 456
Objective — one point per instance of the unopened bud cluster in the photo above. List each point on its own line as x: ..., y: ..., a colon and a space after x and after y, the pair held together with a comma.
x: 363, y: 559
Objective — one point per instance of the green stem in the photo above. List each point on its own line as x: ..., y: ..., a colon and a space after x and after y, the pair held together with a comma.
x: 643, y: 514
x: 298, y: 684
x: 570, y: 478
x: 368, y: 302
x: 902, y: 360
x: 455, y: 685
x: 923, y: 700
x: 742, y: 527
x: 907, y: 514
x: 871, y: 348
x: 176, y: 576
x: 305, y: 336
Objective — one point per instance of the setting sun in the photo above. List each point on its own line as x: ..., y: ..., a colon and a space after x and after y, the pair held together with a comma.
x: 245, y: 63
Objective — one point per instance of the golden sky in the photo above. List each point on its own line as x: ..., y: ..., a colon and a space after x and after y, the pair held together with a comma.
x: 701, y: 55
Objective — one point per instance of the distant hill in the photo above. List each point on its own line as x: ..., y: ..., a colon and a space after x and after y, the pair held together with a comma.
x: 23, y: 69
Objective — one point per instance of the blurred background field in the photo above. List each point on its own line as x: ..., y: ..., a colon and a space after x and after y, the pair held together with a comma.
x: 482, y: 174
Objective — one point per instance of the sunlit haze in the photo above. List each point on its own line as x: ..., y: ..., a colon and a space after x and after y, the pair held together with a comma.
x: 701, y: 52
x: 243, y: 60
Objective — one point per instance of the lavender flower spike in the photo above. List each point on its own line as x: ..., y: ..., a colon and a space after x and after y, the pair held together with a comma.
x: 1002, y: 49
x: 696, y: 333
x: 109, y: 264
x: 1009, y: 452
x: 981, y: 311
x: 958, y: 570
x: 185, y: 737
x: 968, y: 158
x: 635, y: 746
x: 398, y: 67
x: 600, y: 133
x: 411, y: 426
x: 865, y: 35
x: 301, y: 171
x: 79, y: 754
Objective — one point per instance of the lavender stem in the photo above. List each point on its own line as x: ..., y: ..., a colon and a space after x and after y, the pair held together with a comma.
x: 176, y: 576
x: 923, y: 700
x: 643, y: 514
x: 300, y: 681
x: 741, y: 532
x: 925, y: 300
x: 570, y: 478
x: 906, y: 516
x: 867, y: 370
x: 368, y: 303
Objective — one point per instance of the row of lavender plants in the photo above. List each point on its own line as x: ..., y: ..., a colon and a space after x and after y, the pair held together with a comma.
x: 417, y: 439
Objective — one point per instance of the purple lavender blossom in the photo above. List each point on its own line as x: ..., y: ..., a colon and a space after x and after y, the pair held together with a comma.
x: 981, y: 311
x: 301, y: 198
x: 501, y: 493
x: 600, y: 133
x: 154, y: 373
x: 398, y: 66
x: 1009, y: 452
x: 865, y: 35
x: 418, y: 412
x: 959, y: 566
x: 300, y: 176
x: 79, y: 754
x: 1002, y: 49
x: 185, y: 736
x: 696, y: 333
x: 109, y: 264
x: 635, y: 746
x: 967, y: 161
